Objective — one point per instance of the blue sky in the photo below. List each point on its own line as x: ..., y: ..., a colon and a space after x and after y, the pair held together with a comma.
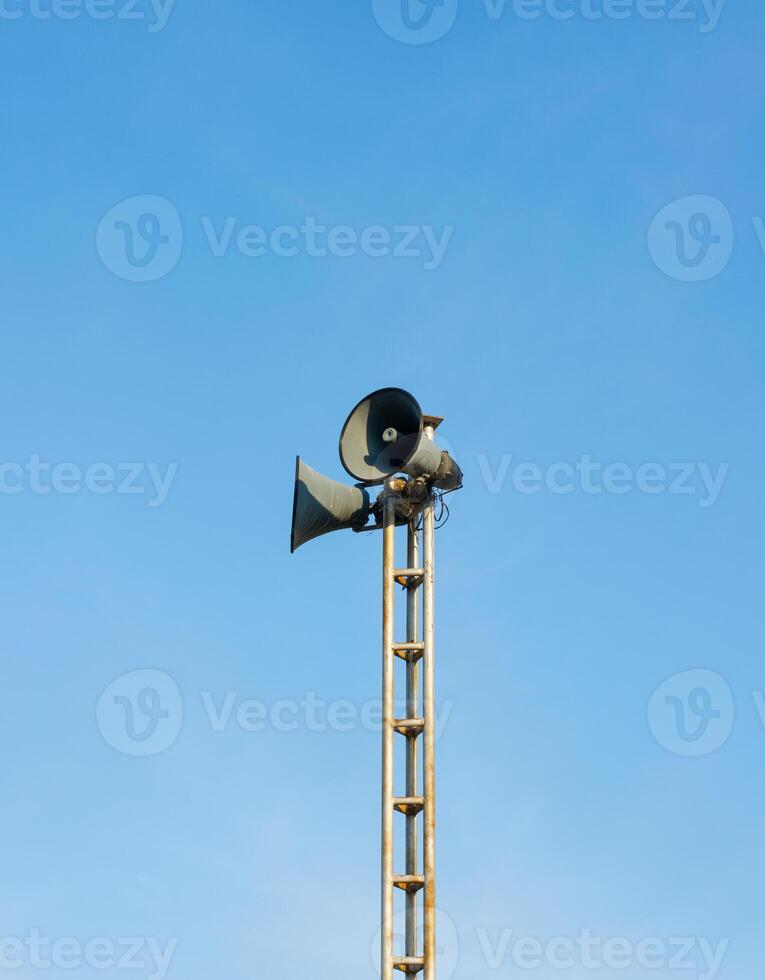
x: 512, y: 212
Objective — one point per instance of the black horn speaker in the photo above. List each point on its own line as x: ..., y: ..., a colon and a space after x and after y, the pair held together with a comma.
x: 321, y: 505
x: 384, y: 435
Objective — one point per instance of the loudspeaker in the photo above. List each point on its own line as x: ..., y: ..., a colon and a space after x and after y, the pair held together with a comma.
x: 384, y: 435
x: 321, y: 505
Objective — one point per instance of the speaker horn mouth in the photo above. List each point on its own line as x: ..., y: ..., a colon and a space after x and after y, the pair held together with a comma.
x: 293, y: 545
x: 381, y: 435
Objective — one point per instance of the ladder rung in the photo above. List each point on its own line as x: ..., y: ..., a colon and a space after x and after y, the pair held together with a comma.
x: 409, y: 883
x: 409, y: 964
x: 411, y: 578
x: 409, y: 651
x: 410, y: 805
x: 410, y: 727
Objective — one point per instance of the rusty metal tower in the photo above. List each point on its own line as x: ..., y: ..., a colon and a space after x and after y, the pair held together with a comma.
x: 387, y: 440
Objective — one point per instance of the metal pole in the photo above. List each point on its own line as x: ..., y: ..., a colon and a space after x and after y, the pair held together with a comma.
x: 412, y: 706
x: 389, y: 543
x: 429, y: 740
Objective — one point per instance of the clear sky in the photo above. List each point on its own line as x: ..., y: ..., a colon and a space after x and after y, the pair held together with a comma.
x: 223, y: 225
